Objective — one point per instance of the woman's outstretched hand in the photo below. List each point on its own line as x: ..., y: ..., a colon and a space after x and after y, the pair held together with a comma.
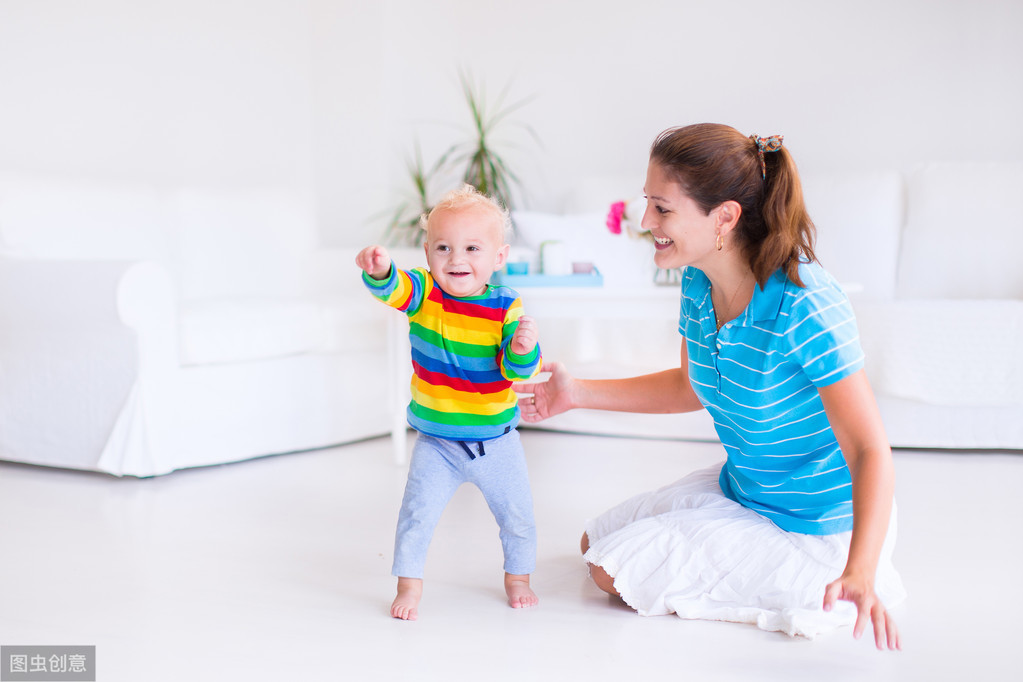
x: 540, y: 400
x: 869, y: 607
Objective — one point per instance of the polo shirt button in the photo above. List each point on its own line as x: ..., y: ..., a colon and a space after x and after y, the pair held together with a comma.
x: 719, y: 345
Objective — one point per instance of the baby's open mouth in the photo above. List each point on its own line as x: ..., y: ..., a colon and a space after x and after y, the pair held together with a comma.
x: 661, y: 242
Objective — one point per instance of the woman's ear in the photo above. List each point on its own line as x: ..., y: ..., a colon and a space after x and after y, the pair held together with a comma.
x: 728, y: 214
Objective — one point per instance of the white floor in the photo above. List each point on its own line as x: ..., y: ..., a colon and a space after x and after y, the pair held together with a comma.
x: 278, y: 569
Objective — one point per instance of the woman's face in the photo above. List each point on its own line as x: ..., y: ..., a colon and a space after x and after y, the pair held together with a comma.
x: 683, y: 233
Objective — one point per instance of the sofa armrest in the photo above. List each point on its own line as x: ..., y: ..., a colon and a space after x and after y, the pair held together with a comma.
x: 81, y: 339
x: 40, y: 294
x: 94, y: 297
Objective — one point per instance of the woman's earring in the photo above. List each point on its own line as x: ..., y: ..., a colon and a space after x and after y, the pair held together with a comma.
x: 721, y: 241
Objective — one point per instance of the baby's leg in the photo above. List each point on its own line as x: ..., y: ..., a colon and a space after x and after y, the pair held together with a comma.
x: 502, y: 477
x: 431, y: 483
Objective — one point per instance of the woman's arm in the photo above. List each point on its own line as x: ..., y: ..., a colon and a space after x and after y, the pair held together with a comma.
x: 856, y: 421
x: 658, y: 393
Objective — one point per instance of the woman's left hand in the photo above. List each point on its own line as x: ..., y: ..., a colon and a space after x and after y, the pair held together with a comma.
x: 860, y: 592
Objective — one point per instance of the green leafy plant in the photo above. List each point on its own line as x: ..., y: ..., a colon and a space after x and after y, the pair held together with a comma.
x: 404, y: 225
x: 476, y: 161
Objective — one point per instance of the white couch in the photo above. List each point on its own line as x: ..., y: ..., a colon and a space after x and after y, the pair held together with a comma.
x: 930, y: 259
x: 147, y: 330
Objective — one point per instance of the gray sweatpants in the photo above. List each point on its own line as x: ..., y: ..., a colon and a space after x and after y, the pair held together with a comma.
x: 439, y: 466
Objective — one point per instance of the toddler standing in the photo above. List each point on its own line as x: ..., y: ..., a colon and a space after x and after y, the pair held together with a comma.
x: 469, y: 341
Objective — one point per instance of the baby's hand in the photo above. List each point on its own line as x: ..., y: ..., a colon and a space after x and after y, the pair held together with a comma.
x: 525, y: 337
x: 375, y: 261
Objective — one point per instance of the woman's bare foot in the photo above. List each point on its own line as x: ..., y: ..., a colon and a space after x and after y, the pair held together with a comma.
x: 406, y: 604
x: 520, y: 595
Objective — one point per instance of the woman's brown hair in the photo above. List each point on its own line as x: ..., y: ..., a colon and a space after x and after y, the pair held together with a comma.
x: 716, y: 163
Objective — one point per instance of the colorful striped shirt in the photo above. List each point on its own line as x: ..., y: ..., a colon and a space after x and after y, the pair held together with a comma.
x: 758, y: 377
x: 462, y: 365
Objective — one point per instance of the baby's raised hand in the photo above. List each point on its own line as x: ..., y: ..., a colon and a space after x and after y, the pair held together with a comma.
x: 525, y: 337
x: 375, y: 261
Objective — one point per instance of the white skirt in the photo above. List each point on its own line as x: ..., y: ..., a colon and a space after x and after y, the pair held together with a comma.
x: 689, y: 550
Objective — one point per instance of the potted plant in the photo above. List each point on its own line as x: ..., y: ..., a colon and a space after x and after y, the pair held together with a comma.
x: 475, y: 161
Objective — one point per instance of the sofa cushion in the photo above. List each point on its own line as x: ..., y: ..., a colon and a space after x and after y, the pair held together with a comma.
x: 858, y: 216
x: 356, y: 322
x: 227, y: 330
x: 944, y: 352
x: 964, y: 232
x: 59, y: 218
x: 243, y: 242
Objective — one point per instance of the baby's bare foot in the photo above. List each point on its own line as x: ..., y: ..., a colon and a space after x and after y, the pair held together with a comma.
x: 520, y: 595
x: 406, y: 604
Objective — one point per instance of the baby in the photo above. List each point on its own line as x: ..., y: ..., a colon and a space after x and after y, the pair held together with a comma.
x: 470, y: 341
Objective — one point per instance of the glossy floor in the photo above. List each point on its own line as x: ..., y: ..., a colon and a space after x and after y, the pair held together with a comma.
x: 278, y: 569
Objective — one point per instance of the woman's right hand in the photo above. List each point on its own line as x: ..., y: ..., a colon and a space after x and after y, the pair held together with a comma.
x: 543, y: 399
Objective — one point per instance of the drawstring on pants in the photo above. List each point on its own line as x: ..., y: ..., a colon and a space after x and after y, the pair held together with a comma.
x: 479, y: 445
x: 465, y: 447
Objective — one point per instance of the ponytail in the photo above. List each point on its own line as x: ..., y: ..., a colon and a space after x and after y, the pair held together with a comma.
x: 790, y: 233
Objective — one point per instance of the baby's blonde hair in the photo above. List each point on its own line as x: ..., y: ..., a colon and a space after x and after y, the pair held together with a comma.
x: 467, y: 197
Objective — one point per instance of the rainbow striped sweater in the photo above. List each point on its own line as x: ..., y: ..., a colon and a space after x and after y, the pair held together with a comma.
x: 462, y: 365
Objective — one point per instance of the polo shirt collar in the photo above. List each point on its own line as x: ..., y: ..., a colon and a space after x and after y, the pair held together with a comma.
x: 766, y: 303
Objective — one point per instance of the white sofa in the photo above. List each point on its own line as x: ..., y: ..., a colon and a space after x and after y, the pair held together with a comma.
x: 147, y: 330
x: 930, y: 259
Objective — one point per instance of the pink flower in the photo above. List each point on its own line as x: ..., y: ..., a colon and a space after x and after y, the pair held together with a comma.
x: 614, y: 217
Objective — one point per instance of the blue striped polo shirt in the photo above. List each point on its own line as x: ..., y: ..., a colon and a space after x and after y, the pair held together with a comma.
x: 758, y: 377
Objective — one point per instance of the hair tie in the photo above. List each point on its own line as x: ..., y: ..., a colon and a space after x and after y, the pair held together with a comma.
x: 766, y: 144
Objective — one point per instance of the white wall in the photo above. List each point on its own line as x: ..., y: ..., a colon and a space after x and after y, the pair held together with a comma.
x: 332, y: 93
x: 886, y: 83
x: 168, y: 91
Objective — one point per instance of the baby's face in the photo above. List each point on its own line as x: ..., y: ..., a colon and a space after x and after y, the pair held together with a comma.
x: 464, y: 247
